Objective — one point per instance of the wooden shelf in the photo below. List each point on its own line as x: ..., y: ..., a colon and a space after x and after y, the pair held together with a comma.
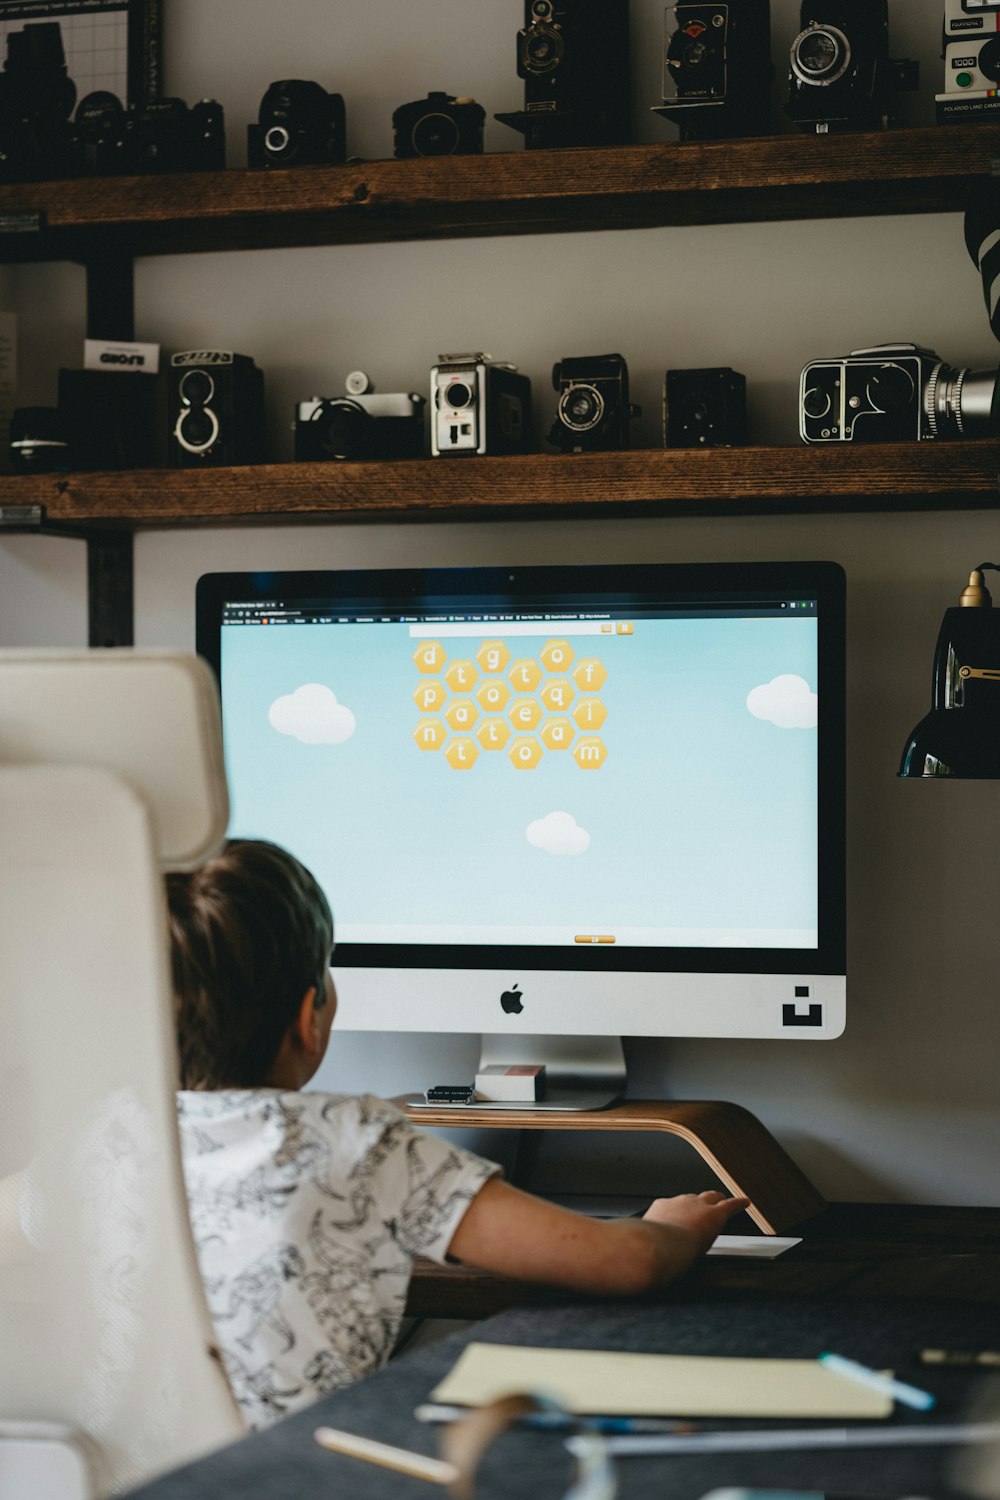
x: 676, y: 482
x: 794, y: 176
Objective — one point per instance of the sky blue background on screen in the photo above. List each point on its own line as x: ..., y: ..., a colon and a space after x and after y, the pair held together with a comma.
x: 701, y: 815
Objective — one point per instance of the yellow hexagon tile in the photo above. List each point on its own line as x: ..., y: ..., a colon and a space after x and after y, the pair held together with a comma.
x: 461, y: 713
x: 590, y: 753
x: 525, y: 752
x: 525, y: 675
x: 525, y: 713
x: 429, y: 696
x: 557, y: 734
x: 492, y: 656
x: 430, y: 734
x: 557, y: 694
x: 589, y: 713
x: 429, y: 656
x: 557, y: 656
x: 590, y: 674
x: 493, y: 696
x: 461, y: 753
x: 493, y: 734
x: 461, y: 676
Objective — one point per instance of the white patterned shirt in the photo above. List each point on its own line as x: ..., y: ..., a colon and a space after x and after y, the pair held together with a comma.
x: 307, y: 1211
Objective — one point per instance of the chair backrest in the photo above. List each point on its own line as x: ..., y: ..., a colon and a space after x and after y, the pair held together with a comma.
x: 104, y: 1327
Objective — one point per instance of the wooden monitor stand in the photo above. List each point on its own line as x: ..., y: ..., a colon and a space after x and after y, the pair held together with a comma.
x: 742, y: 1152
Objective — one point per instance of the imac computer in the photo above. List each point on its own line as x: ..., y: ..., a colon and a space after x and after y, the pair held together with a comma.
x: 553, y: 805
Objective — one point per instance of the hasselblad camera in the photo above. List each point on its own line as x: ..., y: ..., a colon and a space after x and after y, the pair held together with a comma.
x: 895, y: 393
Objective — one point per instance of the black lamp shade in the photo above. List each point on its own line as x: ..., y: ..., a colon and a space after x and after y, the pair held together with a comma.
x: 961, y: 734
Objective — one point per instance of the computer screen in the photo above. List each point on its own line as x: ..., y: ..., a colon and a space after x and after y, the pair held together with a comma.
x: 568, y: 800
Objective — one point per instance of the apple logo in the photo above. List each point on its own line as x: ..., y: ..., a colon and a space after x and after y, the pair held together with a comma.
x: 511, y: 1001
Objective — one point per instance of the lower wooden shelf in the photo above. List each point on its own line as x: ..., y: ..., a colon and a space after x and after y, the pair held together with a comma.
x: 742, y: 1152
x: 649, y: 481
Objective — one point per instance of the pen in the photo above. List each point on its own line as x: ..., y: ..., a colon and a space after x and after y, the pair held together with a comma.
x: 876, y: 1381
x: 961, y: 1358
x: 559, y: 1421
x: 434, y: 1470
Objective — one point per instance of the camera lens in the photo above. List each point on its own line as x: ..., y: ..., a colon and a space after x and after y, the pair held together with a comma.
x: 989, y: 60
x: 890, y: 389
x: 542, y: 49
x: 197, y: 429
x: 820, y: 55
x: 959, y: 403
x: 434, y: 135
x: 196, y: 388
x: 458, y: 394
x: 581, y: 407
x: 344, y: 426
x: 694, y: 54
x: 816, y: 403
x: 276, y: 140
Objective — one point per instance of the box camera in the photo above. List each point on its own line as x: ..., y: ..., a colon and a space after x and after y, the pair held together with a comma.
x: 113, y: 419
x: 163, y: 135
x: 594, y: 409
x: 971, y: 53
x: 298, y: 123
x: 840, y: 74
x: 216, y: 405
x: 360, y: 424
x: 573, y: 57
x: 717, y: 69
x: 479, y: 405
x: 440, y: 125
x: 704, y: 409
x: 895, y: 393
x: 36, y: 99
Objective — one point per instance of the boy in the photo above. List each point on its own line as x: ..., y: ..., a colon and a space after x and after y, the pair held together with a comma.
x: 308, y: 1208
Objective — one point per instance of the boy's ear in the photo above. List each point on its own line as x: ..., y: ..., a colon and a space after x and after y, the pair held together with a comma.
x: 306, y: 1025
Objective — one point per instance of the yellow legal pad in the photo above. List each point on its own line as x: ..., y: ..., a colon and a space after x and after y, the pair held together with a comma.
x: 658, y: 1385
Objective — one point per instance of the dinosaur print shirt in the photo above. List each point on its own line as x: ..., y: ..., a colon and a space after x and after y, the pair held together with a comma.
x: 307, y: 1211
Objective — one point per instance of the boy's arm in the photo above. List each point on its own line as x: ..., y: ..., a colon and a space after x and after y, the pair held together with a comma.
x: 517, y: 1234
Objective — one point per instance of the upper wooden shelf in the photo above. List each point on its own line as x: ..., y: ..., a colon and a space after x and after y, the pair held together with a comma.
x: 922, y: 170
x: 667, y: 482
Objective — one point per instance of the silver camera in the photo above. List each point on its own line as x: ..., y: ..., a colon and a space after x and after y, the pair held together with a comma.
x: 895, y: 393
x: 971, y: 61
x: 479, y: 405
x: 360, y: 424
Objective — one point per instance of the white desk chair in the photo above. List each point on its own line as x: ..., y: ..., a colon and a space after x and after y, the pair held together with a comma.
x: 110, y: 770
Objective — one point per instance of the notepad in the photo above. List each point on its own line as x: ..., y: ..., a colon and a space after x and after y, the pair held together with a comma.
x: 755, y: 1246
x: 658, y: 1385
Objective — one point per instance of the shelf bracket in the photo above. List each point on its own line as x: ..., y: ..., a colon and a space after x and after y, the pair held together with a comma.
x: 110, y: 588
x: 111, y: 296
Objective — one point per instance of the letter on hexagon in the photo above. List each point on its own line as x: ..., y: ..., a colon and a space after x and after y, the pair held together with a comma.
x: 429, y: 656
x: 557, y: 694
x: 589, y: 713
x: 525, y: 752
x: 525, y: 713
x: 590, y: 753
x: 461, y: 713
x: 557, y: 656
x: 557, y: 734
x: 430, y: 734
x: 461, y: 676
x: 525, y: 675
x: 492, y: 656
x: 461, y: 753
x: 429, y: 696
x: 590, y: 674
x: 493, y: 696
x: 493, y: 734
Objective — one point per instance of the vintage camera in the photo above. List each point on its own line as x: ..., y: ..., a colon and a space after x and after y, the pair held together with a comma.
x: 113, y: 419
x: 298, y: 123
x: 573, y: 56
x: 971, y: 53
x: 704, y: 408
x: 895, y: 393
x: 440, y: 125
x: 479, y: 405
x: 38, y: 443
x: 36, y: 99
x: 163, y: 135
x: 717, y: 69
x: 360, y: 424
x: 216, y: 404
x: 594, y: 409
x: 840, y: 74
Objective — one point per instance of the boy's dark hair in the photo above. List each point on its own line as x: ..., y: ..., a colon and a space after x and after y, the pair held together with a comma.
x: 250, y: 933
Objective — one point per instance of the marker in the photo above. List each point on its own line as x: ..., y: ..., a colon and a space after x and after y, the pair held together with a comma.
x: 962, y: 1358
x: 557, y: 1421
x: 909, y: 1395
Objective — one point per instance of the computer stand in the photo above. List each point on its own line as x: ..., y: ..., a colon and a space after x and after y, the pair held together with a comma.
x: 741, y: 1151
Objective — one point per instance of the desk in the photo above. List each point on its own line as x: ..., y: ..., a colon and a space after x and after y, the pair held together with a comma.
x: 694, y: 1316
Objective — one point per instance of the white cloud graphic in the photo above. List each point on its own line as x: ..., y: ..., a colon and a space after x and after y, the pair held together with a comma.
x: 786, y: 701
x: 313, y: 715
x: 558, y: 833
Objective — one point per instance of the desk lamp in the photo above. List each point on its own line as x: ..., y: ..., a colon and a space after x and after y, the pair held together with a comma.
x: 961, y: 734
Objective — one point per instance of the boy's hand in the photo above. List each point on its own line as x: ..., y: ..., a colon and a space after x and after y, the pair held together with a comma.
x: 703, y: 1214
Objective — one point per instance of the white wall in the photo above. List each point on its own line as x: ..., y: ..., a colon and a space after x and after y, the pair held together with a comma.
x: 905, y: 1106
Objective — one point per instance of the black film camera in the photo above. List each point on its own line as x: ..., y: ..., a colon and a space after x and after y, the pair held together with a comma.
x: 895, y: 393
x: 298, y: 123
x: 216, y: 406
x: 36, y: 99
x: 594, y: 409
x: 717, y: 69
x: 163, y: 135
x: 573, y: 57
x: 360, y: 424
x: 440, y: 125
x: 704, y: 408
x: 112, y: 419
x: 840, y: 74
x: 479, y: 405
x: 971, y: 53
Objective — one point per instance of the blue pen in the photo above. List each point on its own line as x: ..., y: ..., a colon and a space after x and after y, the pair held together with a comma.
x: 559, y: 1421
x: 910, y: 1395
